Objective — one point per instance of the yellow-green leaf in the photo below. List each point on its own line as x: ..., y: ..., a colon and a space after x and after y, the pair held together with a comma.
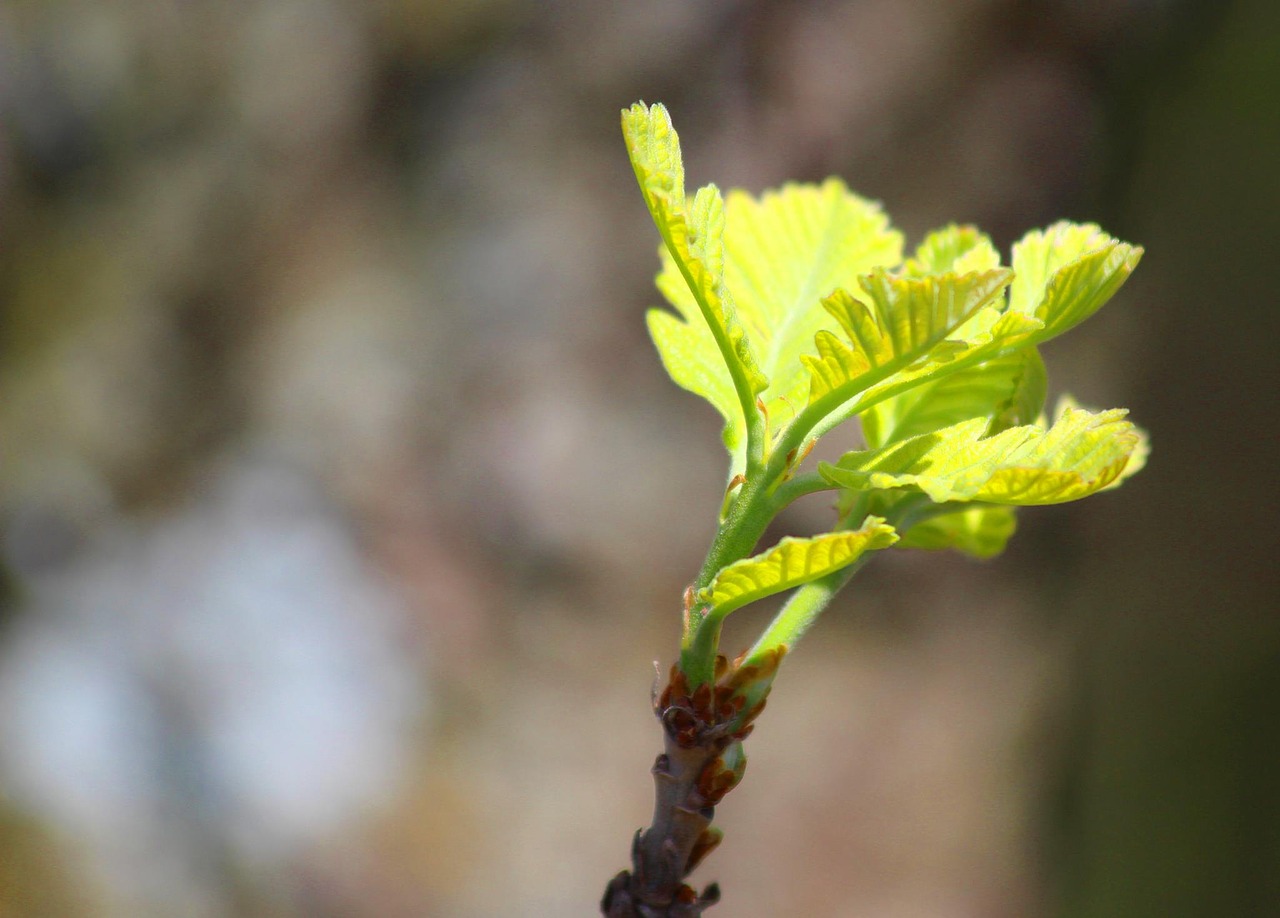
x: 693, y: 235
x: 1066, y: 273
x: 955, y: 249
x: 791, y: 563
x: 698, y: 368
x: 1137, y: 459
x: 1079, y: 454
x: 786, y: 251
x: 1009, y: 390
x: 1008, y: 387
x: 904, y: 320
x: 782, y: 253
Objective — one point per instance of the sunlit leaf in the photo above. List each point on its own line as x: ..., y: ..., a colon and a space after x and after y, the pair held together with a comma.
x: 693, y: 234
x: 954, y: 249
x: 1009, y: 389
x: 1137, y: 459
x: 791, y: 563
x: 787, y: 251
x: 699, y: 368
x: 1066, y: 273
x: 903, y: 320
x: 782, y: 253
x: 1079, y: 454
x: 1026, y: 402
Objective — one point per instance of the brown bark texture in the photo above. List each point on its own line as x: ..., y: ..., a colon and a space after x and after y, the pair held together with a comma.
x: 702, y: 761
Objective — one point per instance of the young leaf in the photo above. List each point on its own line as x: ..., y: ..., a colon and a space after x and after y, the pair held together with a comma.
x: 1009, y: 389
x: 955, y: 249
x: 782, y: 253
x: 787, y: 251
x: 908, y: 317
x: 693, y: 237
x: 979, y: 531
x: 1137, y: 459
x: 792, y: 562
x: 993, y: 378
x: 693, y: 362
x: 1066, y: 273
x: 1080, y: 454
x: 1076, y: 268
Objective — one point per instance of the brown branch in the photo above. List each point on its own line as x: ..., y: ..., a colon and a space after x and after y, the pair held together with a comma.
x: 694, y: 772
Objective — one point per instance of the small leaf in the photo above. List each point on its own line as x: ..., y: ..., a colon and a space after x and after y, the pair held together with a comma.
x: 1009, y: 390
x: 954, y: 249
x: 1005, y: 387
x: 1080, y: 454
x: 791, y: 563
x: 1066, y: 273
x: 907, y: 319
x: 987, y: 365
x: 782, y: 253
x: 979, y: 531
x: 693, y: 236
x: 1137, y: 459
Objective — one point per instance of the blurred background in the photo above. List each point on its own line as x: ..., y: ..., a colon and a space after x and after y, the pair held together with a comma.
x: 345, y: 505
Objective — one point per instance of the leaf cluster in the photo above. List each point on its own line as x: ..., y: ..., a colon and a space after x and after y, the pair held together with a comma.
x: 797, y: 311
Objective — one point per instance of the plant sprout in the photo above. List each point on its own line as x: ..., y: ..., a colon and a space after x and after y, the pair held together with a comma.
x: 795, y: 313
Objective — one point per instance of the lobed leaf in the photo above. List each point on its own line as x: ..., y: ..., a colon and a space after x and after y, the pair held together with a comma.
x: 906, y: 320
x: 1009, y: 387
x: 1137, y: 459
x: 1009, y: 390
x: 1025, y: 403
x: 782, y: 253
x: 1079, y: 454
x: 791, y: 563
x: 694, y: 363
x: 955, y: 249
x: 1066, y: 273
x: 693, y: 235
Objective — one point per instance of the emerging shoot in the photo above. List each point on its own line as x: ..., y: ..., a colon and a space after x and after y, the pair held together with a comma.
x: 796, y: 312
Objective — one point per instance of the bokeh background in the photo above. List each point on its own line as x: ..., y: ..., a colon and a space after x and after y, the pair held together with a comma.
x: 345, y: 506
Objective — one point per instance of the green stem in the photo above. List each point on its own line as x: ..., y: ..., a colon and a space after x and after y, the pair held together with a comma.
x: 807, y: 602
x: 720, y: 333
x: 698, y: 658
x: 799, y: 613
x: 749, y: 516
x: 766, y: 491
x: 833, y: 410
x: 794, y: 488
